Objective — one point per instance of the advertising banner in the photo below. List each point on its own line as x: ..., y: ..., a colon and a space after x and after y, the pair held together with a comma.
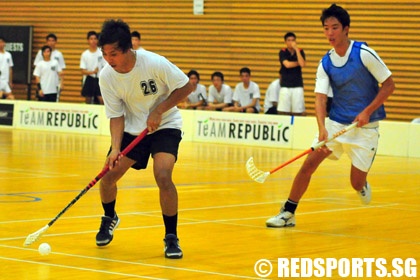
x: 59, y: 117
x: 239, y: 128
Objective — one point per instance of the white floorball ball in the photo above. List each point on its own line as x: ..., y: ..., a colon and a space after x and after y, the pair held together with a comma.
x: 44, y: 249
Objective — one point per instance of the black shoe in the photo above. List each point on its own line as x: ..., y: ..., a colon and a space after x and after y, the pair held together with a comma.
x: 106, y: 231
x: 172, y: 249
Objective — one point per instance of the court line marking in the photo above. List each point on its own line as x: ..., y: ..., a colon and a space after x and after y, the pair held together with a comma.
x: 79, y: 268
x: 229, y: 222
x: 125, y: 262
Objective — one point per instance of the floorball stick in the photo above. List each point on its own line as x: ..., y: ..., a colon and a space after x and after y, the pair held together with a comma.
x: 260, y: 176
x: 37, y: 234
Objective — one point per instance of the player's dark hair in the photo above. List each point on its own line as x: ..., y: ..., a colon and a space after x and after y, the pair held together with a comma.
x: 116, y: 31
x: 136, y: 34
x: 338, y: 12
x: 245, y: 70
x: 91, y: 33
x: 194, y: 72
x: 51, y: 35
x: 218, y: 74
x: 289, y: 34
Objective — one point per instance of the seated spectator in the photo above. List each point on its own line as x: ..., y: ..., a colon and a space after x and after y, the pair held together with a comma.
x: 197, y: 99
x: 246, y: 95
x: 220, y: 94
x: 271, y: 98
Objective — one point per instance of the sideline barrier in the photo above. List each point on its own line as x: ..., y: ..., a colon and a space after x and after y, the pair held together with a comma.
x: 396, y: 138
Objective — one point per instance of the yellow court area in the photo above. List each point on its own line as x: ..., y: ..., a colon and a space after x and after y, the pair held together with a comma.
x: 221, y: 217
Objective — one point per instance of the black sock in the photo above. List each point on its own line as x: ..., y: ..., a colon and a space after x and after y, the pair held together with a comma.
x: 290, y: 206
x: 109, y: 209
x: 170, y: 223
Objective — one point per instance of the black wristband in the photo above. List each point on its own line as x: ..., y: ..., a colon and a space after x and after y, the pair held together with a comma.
x: 39, y: 86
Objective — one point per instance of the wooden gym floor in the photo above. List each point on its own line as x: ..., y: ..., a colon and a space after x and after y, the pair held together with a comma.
x: 221, y: 217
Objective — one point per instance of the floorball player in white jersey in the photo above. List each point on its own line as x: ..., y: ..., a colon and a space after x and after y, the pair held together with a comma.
x: 140, y: 90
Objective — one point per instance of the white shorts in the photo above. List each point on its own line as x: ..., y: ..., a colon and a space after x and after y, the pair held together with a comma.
x: 291, y: 100
x: 360, y: 143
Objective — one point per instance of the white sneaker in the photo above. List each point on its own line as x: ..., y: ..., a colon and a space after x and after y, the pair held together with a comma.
x: 283, y: 219
x: 365, y: 194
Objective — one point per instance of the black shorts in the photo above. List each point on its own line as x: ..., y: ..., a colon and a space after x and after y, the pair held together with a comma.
x: 51, y: 97
x: 91, y: 87
x: 162, y: 141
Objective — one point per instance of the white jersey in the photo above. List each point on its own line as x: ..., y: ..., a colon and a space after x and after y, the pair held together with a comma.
x: 135, y: 94
x: 370, y: 60
x: 198, y: 94
x: 244, y: 96
x: 6, y: 61
x: 55, y: 55
x: 91, y: 60
x: 224, y: 96
x: 272, y: 94
x: 48, y: 72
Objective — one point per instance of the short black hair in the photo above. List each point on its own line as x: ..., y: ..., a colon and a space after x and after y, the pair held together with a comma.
x: 245, y: 70
x: 116, y: 31
x: 338, y: 12
x: 44, y: 48
x: 289, y: 34
x: 218, y: 74
x: 193, y: 72
x: 51, y: 35
x: 91, y: 33
x: 136, y: 34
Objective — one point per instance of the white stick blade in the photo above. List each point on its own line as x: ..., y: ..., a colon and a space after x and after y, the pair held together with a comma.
x: 35, y: 236
x: 253, y: 172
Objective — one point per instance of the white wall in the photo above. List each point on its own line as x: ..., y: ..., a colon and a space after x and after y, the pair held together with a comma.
x: 396, y: 138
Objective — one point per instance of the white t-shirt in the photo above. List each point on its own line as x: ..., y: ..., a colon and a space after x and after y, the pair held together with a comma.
x: 224, y: 96
x: 55, y: 55
x: 6, y: 61
x: 135, y: 94
x: 244, y: 96
x: 272, y: 94
x: 48, y: 72
x: 198, y: 94
x: 370, y: 60
x: 91, y: 60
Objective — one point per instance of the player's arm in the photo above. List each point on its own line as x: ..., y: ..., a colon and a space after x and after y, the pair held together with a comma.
x: 38, y: 83
x: 174, y: 98
x: 301, y: 59
x: 116, y: 126
x: 322, y: 86
x: 11, y: 77
x: 252, y: 104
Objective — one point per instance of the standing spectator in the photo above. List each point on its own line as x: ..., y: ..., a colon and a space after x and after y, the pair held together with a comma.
x: 136, y: 41
x: 220, y: 94
x: 292, y: 60
x: 246, y: 95
x: 51, y: 41
x: 353, y: 71
x: 272, y: 97
x: 6, y: 64
x: 197, y: 99
x: 91, y: 63
x: 47, y: 76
